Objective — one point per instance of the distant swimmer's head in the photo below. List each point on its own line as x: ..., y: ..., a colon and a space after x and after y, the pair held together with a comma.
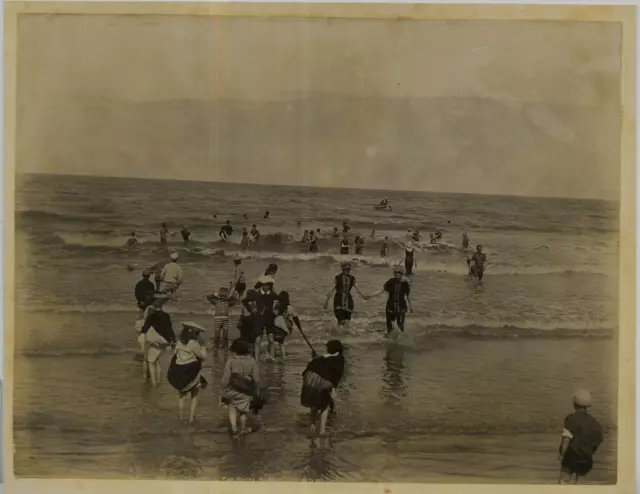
x: 253, y: 226
x: 582, y: 398
x: 133, y: 234
x: 386, y: 238
x: 464, y: 234
x: 146, y: 273
x: 228, y: 222
x: 479, y: 248
x: 174, y: 256
x: 335, y: 346
x: 398, y: 271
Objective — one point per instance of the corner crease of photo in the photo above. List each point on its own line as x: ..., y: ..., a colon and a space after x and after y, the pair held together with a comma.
x: 381, y: 248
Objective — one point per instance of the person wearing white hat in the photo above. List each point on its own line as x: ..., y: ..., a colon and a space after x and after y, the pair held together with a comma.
x: 185, y: 370
x: 398, y: 301
x: 171, y: 276
x: 581, y: 436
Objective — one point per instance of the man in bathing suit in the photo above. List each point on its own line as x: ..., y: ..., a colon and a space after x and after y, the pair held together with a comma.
x: 398, y: 300
x: 477, y: 262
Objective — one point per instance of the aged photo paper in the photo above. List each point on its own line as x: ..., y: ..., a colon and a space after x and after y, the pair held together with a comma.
x: 298, y: 247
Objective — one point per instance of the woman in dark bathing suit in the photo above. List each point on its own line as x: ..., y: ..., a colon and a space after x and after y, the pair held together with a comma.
x: 343, y: 301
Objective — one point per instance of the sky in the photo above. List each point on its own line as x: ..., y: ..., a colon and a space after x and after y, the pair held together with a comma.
x: 498, y: 107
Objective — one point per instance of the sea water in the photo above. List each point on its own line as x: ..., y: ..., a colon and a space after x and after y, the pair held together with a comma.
x: 476, y: 390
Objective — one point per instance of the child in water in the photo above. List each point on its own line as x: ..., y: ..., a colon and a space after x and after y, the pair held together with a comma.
x: 581, y: 437
x: 240, y: 385
x: 221, y: 301
x: 185, y: 370
x: 285, y: 318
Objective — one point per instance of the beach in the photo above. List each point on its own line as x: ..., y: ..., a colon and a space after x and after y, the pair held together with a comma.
x: 475, y: 391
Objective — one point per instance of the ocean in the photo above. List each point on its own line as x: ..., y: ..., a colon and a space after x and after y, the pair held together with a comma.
x: 475, y: 391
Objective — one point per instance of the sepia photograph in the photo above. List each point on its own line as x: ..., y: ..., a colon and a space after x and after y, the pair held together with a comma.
x: 360, y: 248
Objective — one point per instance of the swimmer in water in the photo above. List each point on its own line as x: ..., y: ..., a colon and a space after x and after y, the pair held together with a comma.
x: 244, y: 241
x: 477, y: 262
x: 398, y: 301
x: 228, y: 229
x: 255, y: 234
x: 305, y: 237
x: 373, y: 234
x: 313, y: 242
x: 344, y: 246
x: 465, y: 241
x: 438, y: 234
x: 343, y: 300
x: 186, y: 234
x: 409, y: 259
x: 266, y: 214
x: 359, y: 243
x: 133, y: 240
x: 336, y: 232
x: 384, y: 250
x: 345, y: 227
x: 163, y: 234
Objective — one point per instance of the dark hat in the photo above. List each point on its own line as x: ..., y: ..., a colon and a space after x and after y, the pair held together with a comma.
x: 283, y: 297
x: 240, y: 347
x: 335, y: 346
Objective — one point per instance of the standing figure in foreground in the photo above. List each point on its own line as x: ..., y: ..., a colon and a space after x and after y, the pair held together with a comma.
x: 158, y: 336
x: 398, y: 300
x: 319, y: 380
x: 185, y: 370
x: 240, y: 384
x: 476, y: 263
x: 581, y: 437
x: 409, y: 259
x: 171, y: 277
x: 343, y: 300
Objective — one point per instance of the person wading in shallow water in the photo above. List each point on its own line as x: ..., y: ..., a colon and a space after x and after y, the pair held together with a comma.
x: 343, y: 301
x: 398, y: 301
x: 319, y: 381
x: 581, y: 438
x: 185, y: 370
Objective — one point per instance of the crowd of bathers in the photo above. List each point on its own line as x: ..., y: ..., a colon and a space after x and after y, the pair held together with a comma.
x: 267, y: 314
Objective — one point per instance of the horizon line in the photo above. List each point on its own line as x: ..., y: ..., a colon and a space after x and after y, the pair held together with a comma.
x: 319, y: 187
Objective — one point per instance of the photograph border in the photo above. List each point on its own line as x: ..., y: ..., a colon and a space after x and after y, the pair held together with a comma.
x: 626, y: 428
